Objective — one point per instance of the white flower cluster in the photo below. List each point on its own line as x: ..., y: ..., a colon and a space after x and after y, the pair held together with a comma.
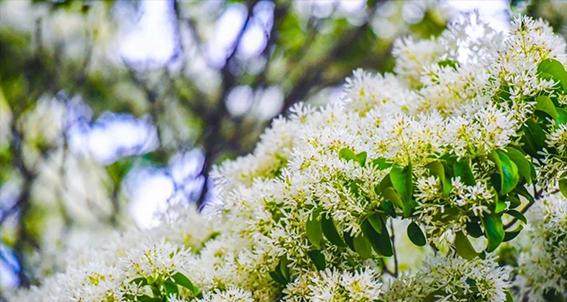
x: 543, y: 261
x: 452, y: 279
x: 308, y: 216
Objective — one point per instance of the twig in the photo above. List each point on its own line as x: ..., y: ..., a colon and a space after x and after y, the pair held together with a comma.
x: 392, y: 238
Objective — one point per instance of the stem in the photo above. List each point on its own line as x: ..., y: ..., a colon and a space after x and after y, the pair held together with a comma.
x: 537, y: 195
x: 392, y: 238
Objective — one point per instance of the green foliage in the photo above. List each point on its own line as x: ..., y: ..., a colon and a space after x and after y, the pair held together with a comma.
x: 163, y: 288
x: 494, y: 230
x: 281, y: 273
x: 379, y: 238
x: 314, y: 230
x: 330, y: 231
x: 415, y: 234
x: 552, y: 69
x: 318, y: 259
x: 464, y: 247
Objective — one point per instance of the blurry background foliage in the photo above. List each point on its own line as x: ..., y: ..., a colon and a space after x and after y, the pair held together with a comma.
x: 111, y: 109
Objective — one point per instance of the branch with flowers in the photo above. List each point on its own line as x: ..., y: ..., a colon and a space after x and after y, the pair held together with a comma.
x: 415, y: 186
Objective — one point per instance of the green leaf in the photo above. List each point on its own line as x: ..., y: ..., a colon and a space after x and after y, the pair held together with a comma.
x: 361, y: 158
x: 499, y: 206
x: 170, y: 288
x: 362, y: 247
x: 347, y: 154
x: 284, y: 270
x: 523, y: 164
x: 513, y: 234
x: 318, y: 259
x: 388, y: 208
x: 415, y: 234
x: 561, y: 117
x: 380, y: 241
x: 141, y: 281
x: 507, y: 170
x: 464, y: 247
x: 534, y: 138
x: 493, y: 230
x: 438, y: 170
x: 314, y: 230
x: 390, y: 194
x: 348, y: 240
x: 462, y: 168
x: 182, y: 280
x: 517, y: 215
x: 381, y: 163
x: 281, y: 272
x: 545, y: 104
x: 376, y: 222
x: 276, y: 276
x: 401, y: 181
x: 552, y: 69
x: 563, y: 186
x: 448, y: 63
x: 524, y: 192
x: 146, y: 298
x: 474, y: 229
x: 330, y: 231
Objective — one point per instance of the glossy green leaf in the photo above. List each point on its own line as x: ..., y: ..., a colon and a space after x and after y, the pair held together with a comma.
x: 330, y: 231
x: 462, y: 168
x: 517, y: 215
x: 376, y: 222
x: 561, y: 117
x: 524, y: 192
x: 474, y: 229
x: 314, y: 230
x: 390, y: 194
x: 362, y: 247
x: 464, y: 247
x: 182, y: 280
x: 493, y: 230
x: 523, y: 164
x: 276, y: 276
x: 348, y: 240
x: 381, y: 163
x: 401, y: 179
x: 534, y: 138
x: 380, y: 241
x: 553, y: 70
x: 361, y: 158
x: 544, y: 104
x: 499, y: 205
x: 563, y: 186
x: 507, y: 170
x: 170, y: 288
x: 512, y: 234
x: 318, y: 259
x: 284, y: 270
x: 438, y: 170
x: 347, y: 154
x: 415, y: 234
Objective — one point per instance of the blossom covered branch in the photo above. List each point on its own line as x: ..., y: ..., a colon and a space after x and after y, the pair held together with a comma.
x: 445, y: 152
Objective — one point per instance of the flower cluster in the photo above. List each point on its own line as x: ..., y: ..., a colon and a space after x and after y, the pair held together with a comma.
x: 446, y: 153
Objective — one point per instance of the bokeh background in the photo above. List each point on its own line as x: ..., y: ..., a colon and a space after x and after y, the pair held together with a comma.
x: 110, y: 110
